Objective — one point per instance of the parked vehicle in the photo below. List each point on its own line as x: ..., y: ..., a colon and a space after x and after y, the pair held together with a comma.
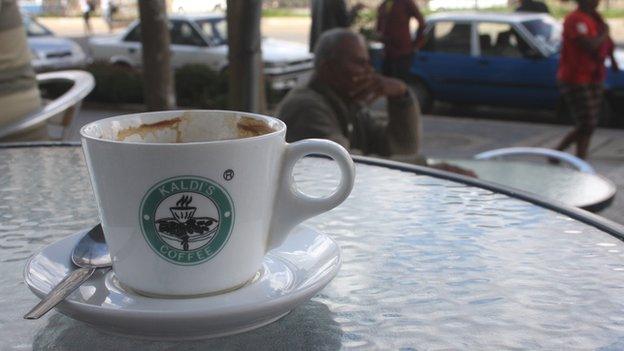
x: 504, y: 59
x: 202, y: 39
x: 50, y: 52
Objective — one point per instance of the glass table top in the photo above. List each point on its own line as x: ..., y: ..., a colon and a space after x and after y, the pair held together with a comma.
x: 428, y: 263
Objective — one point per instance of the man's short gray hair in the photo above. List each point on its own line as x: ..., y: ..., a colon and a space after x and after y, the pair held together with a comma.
x: 327, y: 47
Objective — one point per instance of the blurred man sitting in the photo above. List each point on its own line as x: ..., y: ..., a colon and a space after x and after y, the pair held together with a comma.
x: 333, y: 105
x: 19, y: 94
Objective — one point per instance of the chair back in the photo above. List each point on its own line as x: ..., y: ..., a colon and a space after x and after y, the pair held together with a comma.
x: 58, y: 113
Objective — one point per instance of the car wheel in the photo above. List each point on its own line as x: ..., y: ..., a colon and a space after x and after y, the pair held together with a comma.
x: 422, y: 93
x: 605, y: 117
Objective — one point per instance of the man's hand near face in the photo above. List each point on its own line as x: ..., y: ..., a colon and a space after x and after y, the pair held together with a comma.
x: 370, y: 86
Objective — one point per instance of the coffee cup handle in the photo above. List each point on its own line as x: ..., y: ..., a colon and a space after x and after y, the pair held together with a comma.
x: 293, y: 206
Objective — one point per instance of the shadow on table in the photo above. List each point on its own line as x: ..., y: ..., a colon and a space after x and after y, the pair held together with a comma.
x: 308, y: 326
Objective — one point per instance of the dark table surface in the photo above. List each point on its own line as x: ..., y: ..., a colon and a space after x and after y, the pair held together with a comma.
x: 569, y: 186
x: 428, y: 263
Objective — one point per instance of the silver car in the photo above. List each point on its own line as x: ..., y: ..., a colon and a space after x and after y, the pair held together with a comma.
x: 50, y: 52
x: 202, y: 39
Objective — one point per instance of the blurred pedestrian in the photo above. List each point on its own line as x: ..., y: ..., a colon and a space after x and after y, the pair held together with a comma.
x: 334, y: 104
x: 533, y: 6
x: 108, y: 11
x: 393, y: 27
x: 328, y: 14
x: 87, y: 7
x: 19, y: 94
x: 581, y: 73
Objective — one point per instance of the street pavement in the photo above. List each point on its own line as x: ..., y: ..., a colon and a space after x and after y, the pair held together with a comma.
x: 449, y: 137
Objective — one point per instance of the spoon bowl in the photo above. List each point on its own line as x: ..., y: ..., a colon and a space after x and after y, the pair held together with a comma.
x: 89, y: 254
x: 91, y: 250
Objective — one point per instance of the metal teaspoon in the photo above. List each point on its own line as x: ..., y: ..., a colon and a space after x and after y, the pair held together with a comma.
x: 89, y: 254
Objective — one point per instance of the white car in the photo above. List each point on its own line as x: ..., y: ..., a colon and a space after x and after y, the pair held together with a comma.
x: 202, y: 39
x: 50, y: 52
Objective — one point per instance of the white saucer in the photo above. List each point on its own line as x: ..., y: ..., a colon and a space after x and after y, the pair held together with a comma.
x: 291, y: 274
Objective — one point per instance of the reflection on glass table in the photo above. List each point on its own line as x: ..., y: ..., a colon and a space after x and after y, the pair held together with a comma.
x: 571, y: 187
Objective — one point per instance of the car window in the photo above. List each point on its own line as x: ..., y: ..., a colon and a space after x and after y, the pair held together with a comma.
x: 220, y: 28
x: 182, y: 33
x: 211, y: 30
x: 34, y: 29
x: 501, y: 39
x: 206, y: 27
x: 546, y: 32
x: 215, y: 28
x: 134, y: 35
x: 449, y: 37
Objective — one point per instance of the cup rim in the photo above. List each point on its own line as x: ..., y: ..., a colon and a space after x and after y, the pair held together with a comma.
x: 280, y: 130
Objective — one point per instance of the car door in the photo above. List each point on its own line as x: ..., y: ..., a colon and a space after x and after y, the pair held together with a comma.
x: 187, y: 46
x: 130, y: 47
x: 511, y: 71
x: 447, y: 61
x: 214, y: 32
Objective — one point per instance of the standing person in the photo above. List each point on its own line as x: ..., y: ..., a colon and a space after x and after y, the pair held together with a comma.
x: 533, y: 6
x: 328, y: 14
x: 86, y: 6
x: 393, y: 20
x: 108, y: 10
x: 581, y: 73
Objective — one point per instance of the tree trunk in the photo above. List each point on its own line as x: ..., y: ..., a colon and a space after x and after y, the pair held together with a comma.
x: 246, y: 79
x: 157, y: 76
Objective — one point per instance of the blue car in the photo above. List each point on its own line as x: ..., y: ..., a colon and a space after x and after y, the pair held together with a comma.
x: 504, y: 59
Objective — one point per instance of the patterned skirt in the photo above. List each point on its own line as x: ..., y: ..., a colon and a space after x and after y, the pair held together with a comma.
x: 583, y: 101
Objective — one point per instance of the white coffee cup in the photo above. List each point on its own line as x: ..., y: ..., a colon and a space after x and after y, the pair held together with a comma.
x: 191, y: 201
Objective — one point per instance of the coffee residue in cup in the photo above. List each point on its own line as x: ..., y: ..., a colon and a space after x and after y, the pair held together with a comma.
x: 250, y: 127
x: 146, y: 128
x: 191, y: 128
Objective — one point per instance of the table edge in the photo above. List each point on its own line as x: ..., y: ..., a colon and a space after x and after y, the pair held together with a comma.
x: 26, y: 144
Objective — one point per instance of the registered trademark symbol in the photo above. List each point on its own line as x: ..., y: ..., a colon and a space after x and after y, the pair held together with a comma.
x: 228, y: 175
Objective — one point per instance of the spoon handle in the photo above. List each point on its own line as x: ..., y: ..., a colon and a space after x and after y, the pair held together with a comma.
x: 60, y: 292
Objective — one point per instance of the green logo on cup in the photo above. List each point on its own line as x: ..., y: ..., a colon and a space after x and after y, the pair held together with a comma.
x: 187, y: 220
